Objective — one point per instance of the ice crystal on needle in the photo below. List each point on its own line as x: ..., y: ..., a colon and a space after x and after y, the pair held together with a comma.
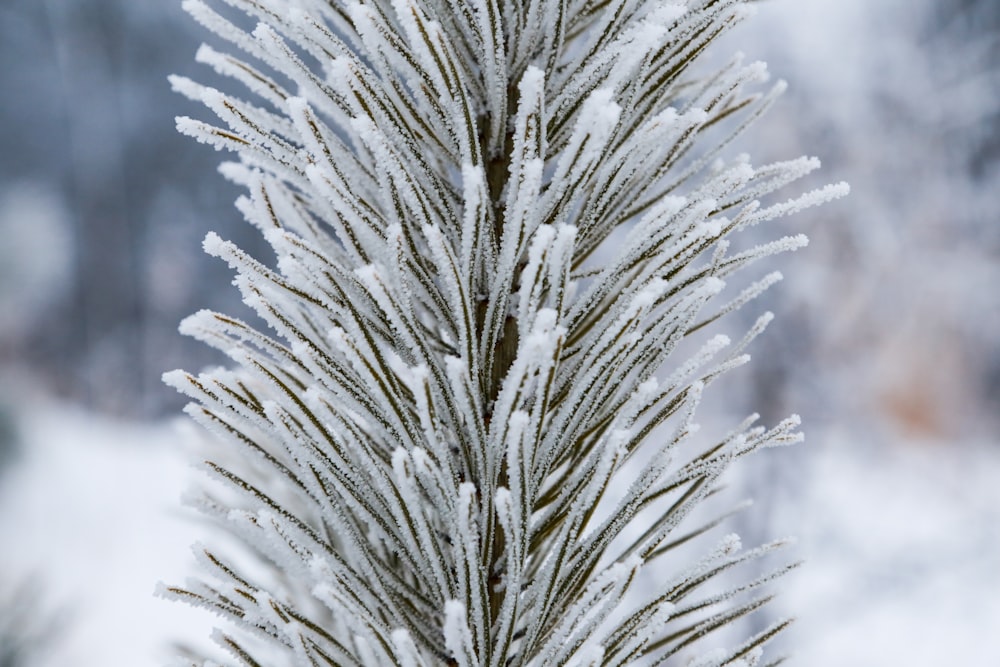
x: 464, y: 358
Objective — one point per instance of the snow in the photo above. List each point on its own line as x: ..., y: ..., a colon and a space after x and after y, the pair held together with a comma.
x: 902, y: 554
x: 457, y: 636
x: 91, y: 508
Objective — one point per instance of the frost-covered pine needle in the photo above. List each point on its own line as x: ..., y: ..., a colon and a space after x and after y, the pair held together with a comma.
x: 468, y: 429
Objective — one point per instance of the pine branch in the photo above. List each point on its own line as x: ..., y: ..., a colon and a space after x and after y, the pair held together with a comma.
x: 496, y: 224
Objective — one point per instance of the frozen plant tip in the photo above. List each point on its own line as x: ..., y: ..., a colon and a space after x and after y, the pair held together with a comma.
x: 468, y: 431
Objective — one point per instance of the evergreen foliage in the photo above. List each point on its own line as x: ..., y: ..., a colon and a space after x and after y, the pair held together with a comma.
x: 468, y: 431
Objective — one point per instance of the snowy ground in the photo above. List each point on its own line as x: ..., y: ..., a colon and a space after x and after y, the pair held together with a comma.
x: 902, y: 543
x: 91, y: 511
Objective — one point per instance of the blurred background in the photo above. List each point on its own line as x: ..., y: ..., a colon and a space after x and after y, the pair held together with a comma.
x: 887, y: 340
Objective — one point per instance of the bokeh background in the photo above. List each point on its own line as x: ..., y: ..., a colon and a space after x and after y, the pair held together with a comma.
x: 887, y: 340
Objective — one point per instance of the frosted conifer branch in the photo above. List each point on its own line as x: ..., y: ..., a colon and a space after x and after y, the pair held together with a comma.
x: 467, y: 431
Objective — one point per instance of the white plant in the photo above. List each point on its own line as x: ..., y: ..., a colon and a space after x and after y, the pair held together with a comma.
x: 496, y: 222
